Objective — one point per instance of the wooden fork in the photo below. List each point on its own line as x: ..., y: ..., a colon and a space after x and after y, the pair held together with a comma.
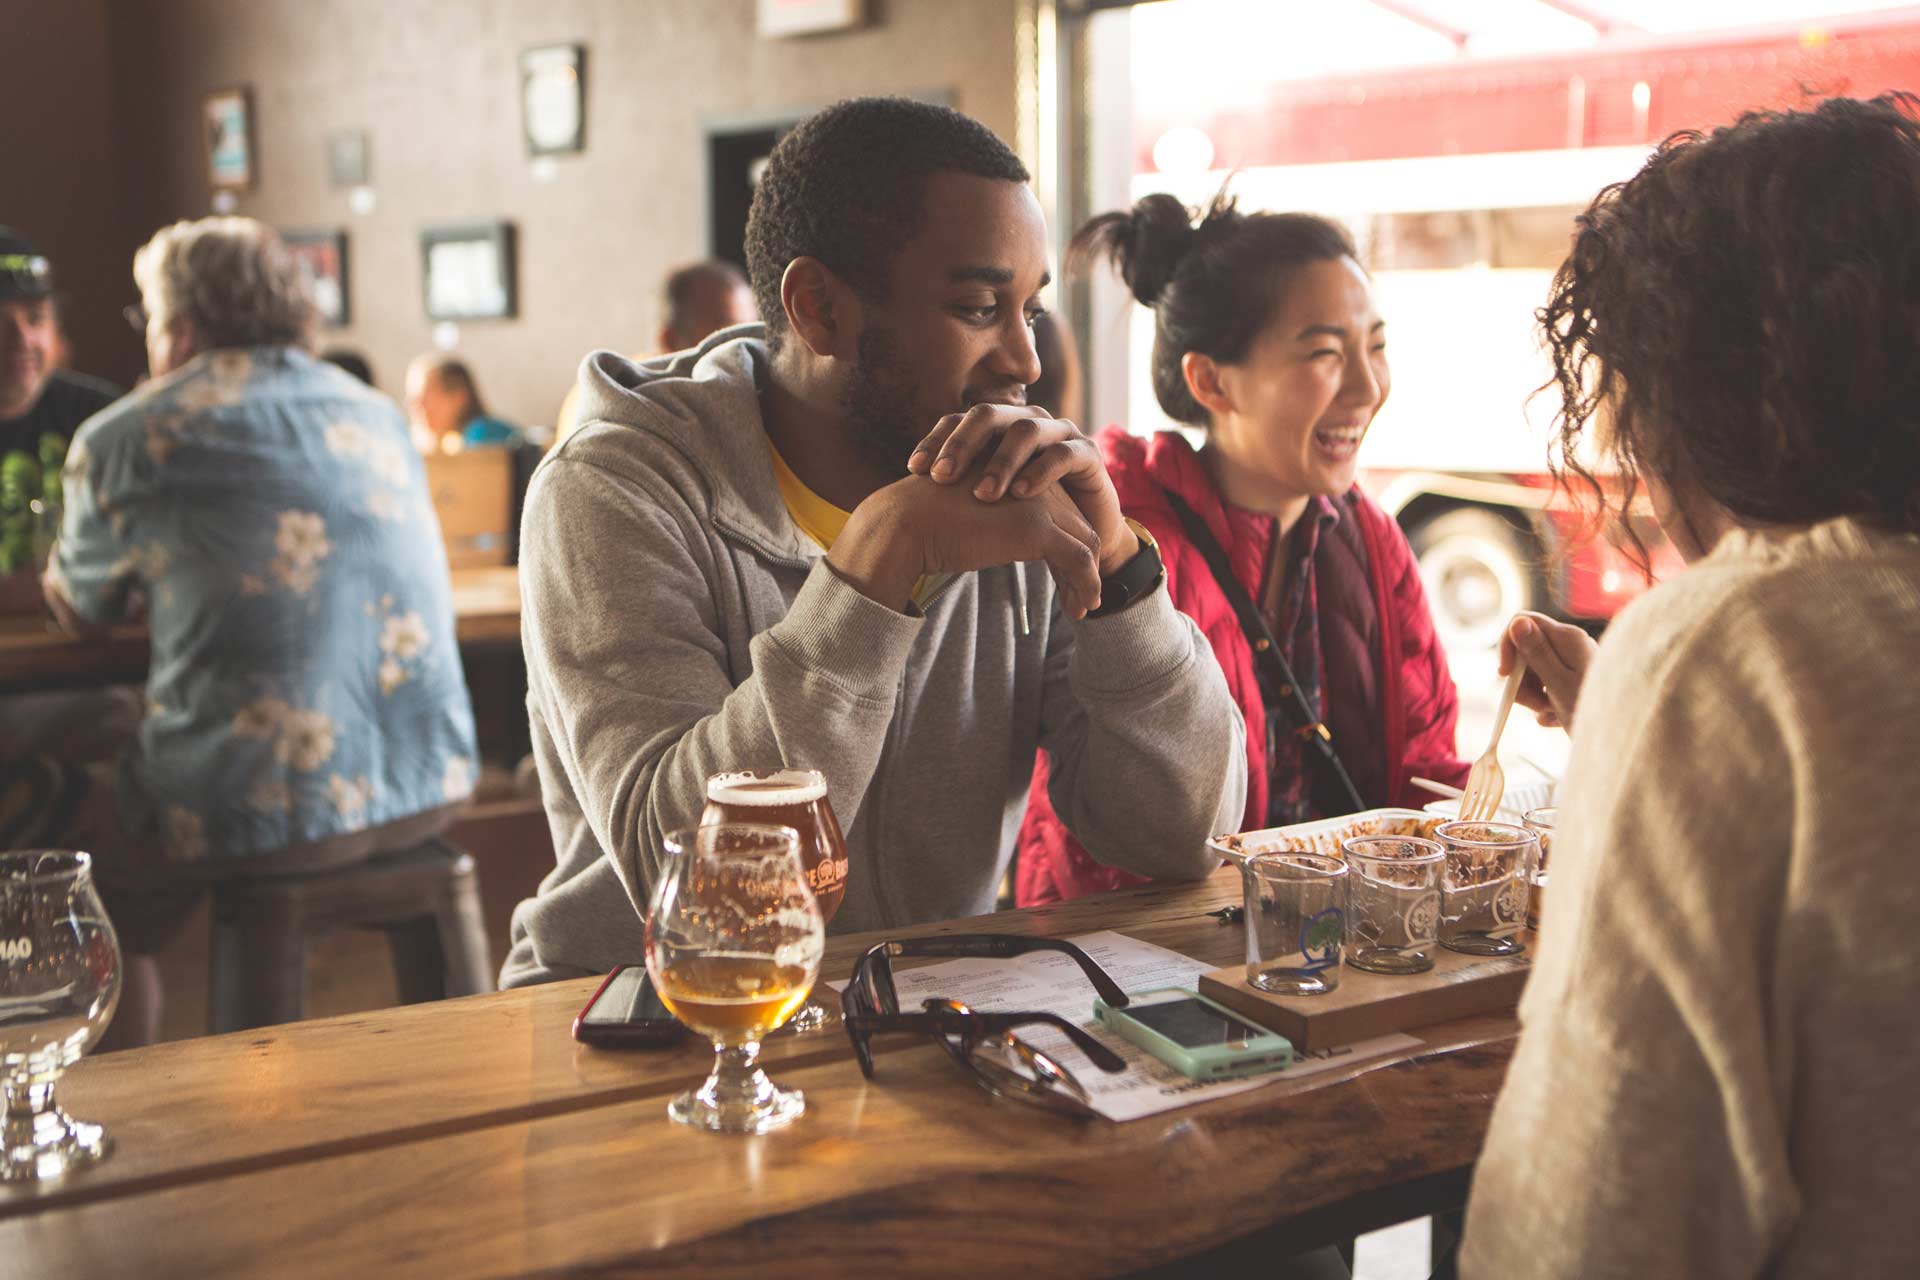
x: 1487, y: 784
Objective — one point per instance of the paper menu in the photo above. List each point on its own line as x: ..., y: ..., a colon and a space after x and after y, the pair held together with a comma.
x: 1052, y: 983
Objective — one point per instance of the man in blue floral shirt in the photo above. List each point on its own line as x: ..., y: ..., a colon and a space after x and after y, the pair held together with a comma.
x: 306, y: 705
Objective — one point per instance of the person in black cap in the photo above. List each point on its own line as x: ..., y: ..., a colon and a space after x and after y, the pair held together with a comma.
x: 35, y: 398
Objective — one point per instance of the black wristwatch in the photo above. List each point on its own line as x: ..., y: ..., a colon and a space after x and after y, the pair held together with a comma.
x: 1133, y: 579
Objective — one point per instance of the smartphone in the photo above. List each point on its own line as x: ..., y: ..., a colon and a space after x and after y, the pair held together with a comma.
x: 626, y: 1013
x: 1195, y: 1036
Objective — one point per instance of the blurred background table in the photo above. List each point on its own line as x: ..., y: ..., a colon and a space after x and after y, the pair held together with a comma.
x: 475, y: 1137
x: 35, y: 656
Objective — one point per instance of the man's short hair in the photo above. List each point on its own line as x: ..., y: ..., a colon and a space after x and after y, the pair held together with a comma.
x: 232, y: 278
x: 682, y: 283
x: 845, y: 186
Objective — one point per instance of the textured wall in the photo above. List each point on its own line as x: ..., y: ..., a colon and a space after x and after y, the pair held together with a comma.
x: 435, y: 84
x: 58, y: 182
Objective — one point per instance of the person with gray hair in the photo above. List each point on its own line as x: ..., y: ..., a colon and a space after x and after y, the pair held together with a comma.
x: 305, y: 706
x: 220, y: 283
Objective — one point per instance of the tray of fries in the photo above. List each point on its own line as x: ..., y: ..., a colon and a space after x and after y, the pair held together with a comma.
x: 1324, y: 835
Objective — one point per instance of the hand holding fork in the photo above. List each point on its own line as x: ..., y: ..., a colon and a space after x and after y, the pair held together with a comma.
x: 1487, y: 783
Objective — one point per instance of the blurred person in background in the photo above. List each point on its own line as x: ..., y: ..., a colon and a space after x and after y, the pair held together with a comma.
x: 37, y: 397
x: 352, y: 361
x: 445, y: 408
x: 1061, y: 389
x: 305, y: 706
x: 700, y: 299
x: 1266, y: 337
x: 1715, y: 1073
x: 41, y: 405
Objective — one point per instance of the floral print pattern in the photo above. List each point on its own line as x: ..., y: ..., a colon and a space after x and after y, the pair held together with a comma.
x: 286, y: 701
x: 456, y: 782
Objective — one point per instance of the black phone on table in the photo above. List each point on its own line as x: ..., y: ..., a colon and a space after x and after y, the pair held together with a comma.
x: 627, y: 1013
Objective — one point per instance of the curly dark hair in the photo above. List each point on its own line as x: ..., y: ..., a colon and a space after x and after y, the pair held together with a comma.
x: 845, y: 187
x: 1214, y: 285
x: 1741, y: 320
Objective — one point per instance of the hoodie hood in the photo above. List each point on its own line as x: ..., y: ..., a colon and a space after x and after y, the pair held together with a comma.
x: 704, y: 404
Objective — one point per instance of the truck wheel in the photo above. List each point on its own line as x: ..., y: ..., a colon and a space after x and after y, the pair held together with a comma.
x: 1479, y: 571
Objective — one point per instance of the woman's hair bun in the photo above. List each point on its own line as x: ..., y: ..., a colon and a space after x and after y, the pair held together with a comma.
x: 1148, y: 243
x: 1159, y: 233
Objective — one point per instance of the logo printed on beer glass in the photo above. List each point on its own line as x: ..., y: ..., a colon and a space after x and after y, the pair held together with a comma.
x: 14, y: 949
x: 1510, y: 902
x: 1423, y: 917
x: 1320, y: 936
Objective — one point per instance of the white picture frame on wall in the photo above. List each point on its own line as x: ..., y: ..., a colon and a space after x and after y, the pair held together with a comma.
x: 779, y: 18
x: 467, y: 272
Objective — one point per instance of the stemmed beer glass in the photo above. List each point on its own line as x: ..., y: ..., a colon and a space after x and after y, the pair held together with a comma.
x: 59, y: 983
x: 734, y: 940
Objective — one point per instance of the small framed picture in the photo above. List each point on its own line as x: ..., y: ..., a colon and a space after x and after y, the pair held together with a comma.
x: 226, y: 119
x: 553, y: 98
x: 347, y: 158
x: 322, y: 256
x: 468, y: 272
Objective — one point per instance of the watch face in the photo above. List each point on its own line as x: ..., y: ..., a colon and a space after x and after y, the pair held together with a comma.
x: 1133, y: 579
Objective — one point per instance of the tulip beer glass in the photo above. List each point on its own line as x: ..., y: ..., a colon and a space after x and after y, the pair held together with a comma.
x: 734, y: 940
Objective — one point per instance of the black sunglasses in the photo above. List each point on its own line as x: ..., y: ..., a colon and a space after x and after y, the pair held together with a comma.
x: 983, y: 1043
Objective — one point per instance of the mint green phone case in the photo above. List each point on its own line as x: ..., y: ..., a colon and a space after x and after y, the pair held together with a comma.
x: 1263, y: 1050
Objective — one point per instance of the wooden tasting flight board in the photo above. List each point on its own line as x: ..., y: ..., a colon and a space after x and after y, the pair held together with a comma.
x: 1375, y: 1004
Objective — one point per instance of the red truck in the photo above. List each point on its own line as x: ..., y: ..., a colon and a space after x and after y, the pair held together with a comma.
x: 1460, y: 182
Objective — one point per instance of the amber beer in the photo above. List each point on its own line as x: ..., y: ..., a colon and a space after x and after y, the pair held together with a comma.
x: 733, y: 998
x: 794, y: 798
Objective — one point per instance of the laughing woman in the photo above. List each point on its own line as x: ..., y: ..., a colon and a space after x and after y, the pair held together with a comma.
x: 1266, y: 338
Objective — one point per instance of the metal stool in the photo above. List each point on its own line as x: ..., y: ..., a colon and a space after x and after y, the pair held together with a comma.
x: 426, y: 898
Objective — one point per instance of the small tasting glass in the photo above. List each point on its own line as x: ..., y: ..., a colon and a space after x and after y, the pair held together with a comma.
x: 1393, y: 902
x: 59, y: 984
x: 1541, y: 823
x: 1484, y: 886
x: 1296, y: 922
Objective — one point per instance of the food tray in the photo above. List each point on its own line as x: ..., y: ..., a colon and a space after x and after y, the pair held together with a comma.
x: 1325, y: 834
x: 1513, y: 805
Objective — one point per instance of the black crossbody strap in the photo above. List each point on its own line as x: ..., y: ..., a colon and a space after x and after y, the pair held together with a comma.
x: 1278, y: 683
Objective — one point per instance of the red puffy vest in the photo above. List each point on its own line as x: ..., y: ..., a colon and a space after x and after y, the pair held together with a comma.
x: 1417, y: 706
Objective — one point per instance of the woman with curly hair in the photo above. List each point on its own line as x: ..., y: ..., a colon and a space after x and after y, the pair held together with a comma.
x: 1266, y: 338
x: 1715, y: 1076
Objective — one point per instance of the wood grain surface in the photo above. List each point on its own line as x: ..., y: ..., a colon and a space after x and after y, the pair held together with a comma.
x: 474, y: 1137
x: 205, y: 1107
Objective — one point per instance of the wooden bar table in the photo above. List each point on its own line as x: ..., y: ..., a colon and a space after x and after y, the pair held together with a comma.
x: 35, y: 656
x: 474, y: 1137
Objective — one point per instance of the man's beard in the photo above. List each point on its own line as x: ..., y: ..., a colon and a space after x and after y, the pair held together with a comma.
x: 878, y: 404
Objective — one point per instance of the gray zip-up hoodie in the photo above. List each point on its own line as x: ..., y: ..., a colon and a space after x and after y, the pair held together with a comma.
x: 677, y: 624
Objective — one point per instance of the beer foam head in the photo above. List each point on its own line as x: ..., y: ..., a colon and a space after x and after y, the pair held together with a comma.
x: 783, y: 787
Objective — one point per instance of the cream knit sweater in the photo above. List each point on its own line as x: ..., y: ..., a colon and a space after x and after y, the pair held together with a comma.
x: 1720, y: 1068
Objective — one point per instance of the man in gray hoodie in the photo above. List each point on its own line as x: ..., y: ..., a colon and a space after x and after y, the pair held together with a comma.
x: 733, y: 565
